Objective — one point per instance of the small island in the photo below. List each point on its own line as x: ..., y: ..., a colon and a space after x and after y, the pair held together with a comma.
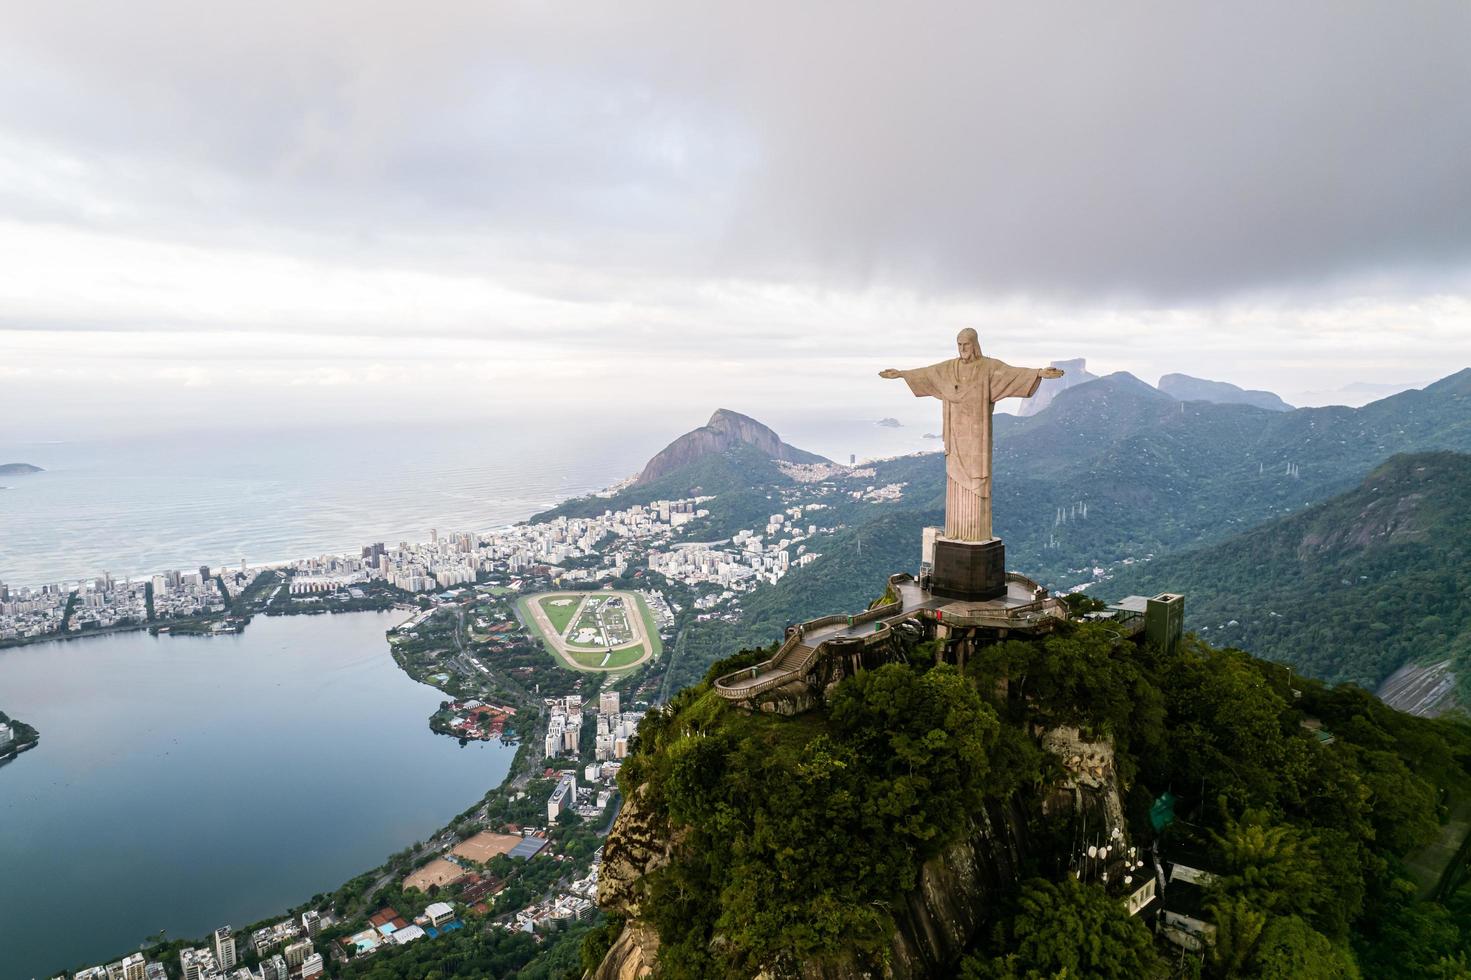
x: 19, y: 469
x: 15, y: 738
x: 890, y: 423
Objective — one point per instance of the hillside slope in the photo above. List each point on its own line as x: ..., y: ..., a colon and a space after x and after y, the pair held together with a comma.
x: 1347, y: 590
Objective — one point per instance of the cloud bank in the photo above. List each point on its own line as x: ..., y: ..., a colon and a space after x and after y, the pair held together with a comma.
x: 286, y: 195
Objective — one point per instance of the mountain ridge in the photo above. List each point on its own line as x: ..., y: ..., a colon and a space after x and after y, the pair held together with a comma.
x: 1187, y: 388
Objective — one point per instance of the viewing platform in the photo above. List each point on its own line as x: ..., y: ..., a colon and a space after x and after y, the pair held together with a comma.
x: 1026, y: 607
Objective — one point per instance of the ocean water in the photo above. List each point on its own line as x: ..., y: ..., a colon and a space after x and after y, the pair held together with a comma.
x: 137, y: 506
x: 185, y: 783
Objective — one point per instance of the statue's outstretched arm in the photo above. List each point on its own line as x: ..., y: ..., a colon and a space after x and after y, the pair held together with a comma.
x: 891, y: 373
x: 1051, y: 372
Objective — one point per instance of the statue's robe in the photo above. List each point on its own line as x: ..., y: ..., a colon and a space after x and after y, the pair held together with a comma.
x: 969, y: 390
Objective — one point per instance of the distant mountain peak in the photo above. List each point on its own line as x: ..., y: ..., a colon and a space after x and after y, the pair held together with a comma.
x: 1189, y: 389
x: 725, y: 431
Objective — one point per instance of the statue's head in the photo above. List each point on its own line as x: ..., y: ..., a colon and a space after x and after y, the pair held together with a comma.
x: 969, y: 344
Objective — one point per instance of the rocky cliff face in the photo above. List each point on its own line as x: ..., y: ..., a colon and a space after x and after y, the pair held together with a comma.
x: 726, y: 430
x: 937, y: 921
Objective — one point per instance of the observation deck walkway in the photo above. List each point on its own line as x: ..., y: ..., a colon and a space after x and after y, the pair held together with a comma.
x: 1026, y: 606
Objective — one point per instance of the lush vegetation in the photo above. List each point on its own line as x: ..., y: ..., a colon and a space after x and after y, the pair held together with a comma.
x: 1347, y: 590
x: 800, y: 836
x: 901, y: 758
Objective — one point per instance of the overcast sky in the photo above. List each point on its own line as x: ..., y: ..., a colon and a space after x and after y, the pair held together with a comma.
x: 421, y: 210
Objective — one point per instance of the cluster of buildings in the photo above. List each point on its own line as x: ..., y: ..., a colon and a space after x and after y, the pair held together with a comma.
x: 615, y: 727
x: 450, y: 560
x: 285, y: 950
x: 564, y: 726
x: 822, y: 472
x: 749, y: 559
x: 186, y: 595
x: 220, y: 960
x: 576, y: 903
x: 475, y: 719
x: 889, y: 492
x: 26, y: 612
x: 106, y: 603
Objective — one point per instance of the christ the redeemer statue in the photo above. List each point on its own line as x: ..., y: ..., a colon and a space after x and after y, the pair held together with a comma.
x: 970, y: 385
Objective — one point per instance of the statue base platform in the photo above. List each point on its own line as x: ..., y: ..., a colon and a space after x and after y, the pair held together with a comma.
x: 972, y: 570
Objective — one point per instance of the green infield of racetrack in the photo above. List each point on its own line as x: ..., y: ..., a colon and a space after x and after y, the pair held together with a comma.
x: 619, y: 658
x: 560, y: 616
x: 592, y: 659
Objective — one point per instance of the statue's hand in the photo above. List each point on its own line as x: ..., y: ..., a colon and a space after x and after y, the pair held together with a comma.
x: 890, y: 373
x: 1051, y: 372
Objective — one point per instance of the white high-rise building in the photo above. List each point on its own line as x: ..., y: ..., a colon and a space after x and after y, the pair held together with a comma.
x: 224, y: 948
x: 608, y: 703
x: 563, y: 798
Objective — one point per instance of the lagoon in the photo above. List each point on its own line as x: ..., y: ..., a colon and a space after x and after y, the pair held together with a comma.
x: 184, y: 783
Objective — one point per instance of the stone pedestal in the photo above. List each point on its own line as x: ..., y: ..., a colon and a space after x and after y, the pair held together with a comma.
x: 972, y: 570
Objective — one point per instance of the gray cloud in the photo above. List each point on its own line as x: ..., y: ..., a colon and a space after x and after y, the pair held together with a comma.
x: 1072, y: 149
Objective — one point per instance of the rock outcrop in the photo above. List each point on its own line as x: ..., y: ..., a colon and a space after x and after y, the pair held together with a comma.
x: 726, y: 430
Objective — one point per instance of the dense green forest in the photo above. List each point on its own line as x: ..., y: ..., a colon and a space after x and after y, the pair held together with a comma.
x: 1347, y: 590
x: 798, y: 837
